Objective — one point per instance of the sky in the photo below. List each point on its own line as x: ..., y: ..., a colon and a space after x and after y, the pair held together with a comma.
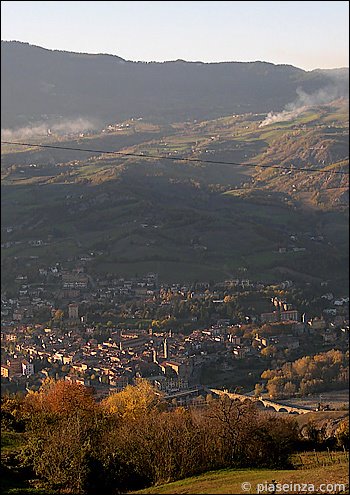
x: 305, y: 34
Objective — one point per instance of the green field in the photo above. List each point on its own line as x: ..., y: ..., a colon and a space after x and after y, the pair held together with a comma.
x: 250, y: 481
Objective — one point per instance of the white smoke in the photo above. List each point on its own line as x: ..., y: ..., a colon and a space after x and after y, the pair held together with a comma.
x: 302, y: 103
x: 283, y: 116
x: 63, y: 127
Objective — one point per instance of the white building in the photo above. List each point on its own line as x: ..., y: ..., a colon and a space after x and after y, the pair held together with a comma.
x: 27, y: 368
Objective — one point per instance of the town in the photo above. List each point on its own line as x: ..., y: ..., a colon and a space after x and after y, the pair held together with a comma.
x: 104, y: 332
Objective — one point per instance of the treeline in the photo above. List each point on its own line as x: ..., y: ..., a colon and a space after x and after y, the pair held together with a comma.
x: 309, y: 374
x: 132, y: 439
x: 205, y: 311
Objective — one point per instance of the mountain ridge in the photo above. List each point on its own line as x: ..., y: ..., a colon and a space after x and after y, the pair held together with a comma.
x: 17, y: 42
x: 39, y: 84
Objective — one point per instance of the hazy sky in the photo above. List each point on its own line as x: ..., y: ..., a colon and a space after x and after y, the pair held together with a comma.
x: 308, y: 35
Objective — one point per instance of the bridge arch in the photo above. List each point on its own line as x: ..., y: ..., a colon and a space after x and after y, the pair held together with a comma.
x: 268, y: 404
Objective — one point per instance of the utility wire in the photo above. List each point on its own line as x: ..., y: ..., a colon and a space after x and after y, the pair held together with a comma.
x: 178, y: 159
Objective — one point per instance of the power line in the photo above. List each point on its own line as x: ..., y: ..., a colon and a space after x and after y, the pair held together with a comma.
x: 162, y: 157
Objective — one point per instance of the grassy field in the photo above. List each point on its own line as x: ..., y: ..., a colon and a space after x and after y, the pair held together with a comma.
x: 256, y: 481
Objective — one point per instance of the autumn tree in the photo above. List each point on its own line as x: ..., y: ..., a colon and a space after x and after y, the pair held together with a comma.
x: 60, y: 397
x: 269, y: 352
x: 247, y: 436
x: 58, y: 315
x: 289, y: 389
x: 342, y: 434
x: 258, y: 389
x: 308, y: 374
x: 275, y: 386
x: 133, y: 401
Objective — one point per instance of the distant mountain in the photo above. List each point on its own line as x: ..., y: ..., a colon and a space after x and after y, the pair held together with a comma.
x: 39, y: 84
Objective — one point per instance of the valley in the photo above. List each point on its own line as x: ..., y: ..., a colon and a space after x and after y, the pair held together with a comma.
x: 196, y: 200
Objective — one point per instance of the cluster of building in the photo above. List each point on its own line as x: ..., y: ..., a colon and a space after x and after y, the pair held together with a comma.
x: 16, y: 367
x: 170, y: 361
x: 69, y: 348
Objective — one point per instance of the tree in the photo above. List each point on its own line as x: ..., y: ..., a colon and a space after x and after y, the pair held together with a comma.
x: 58, y: 316
x: 275, y: 386
x: 342, y: 434
x: 301, y: 366
x: 244, y: 436
x: 60, y: 397
x: 289, y: 389
x: 132, y: 442
x: 269, y: 352
x: 133, y: 401
x: 258, y: 389
x: 12, y: 412
x: 310, y: 386
x: 62, y: 451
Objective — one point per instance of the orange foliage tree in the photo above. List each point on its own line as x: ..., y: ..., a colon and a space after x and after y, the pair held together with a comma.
x: 60, y: 397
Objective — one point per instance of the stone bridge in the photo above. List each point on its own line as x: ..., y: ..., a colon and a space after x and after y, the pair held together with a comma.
x: 269, y: 404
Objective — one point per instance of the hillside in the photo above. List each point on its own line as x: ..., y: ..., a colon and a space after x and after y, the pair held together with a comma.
x: 40, y: 85
x: 232, y: 481
x: 313, y: 467
x: 185, y: 219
